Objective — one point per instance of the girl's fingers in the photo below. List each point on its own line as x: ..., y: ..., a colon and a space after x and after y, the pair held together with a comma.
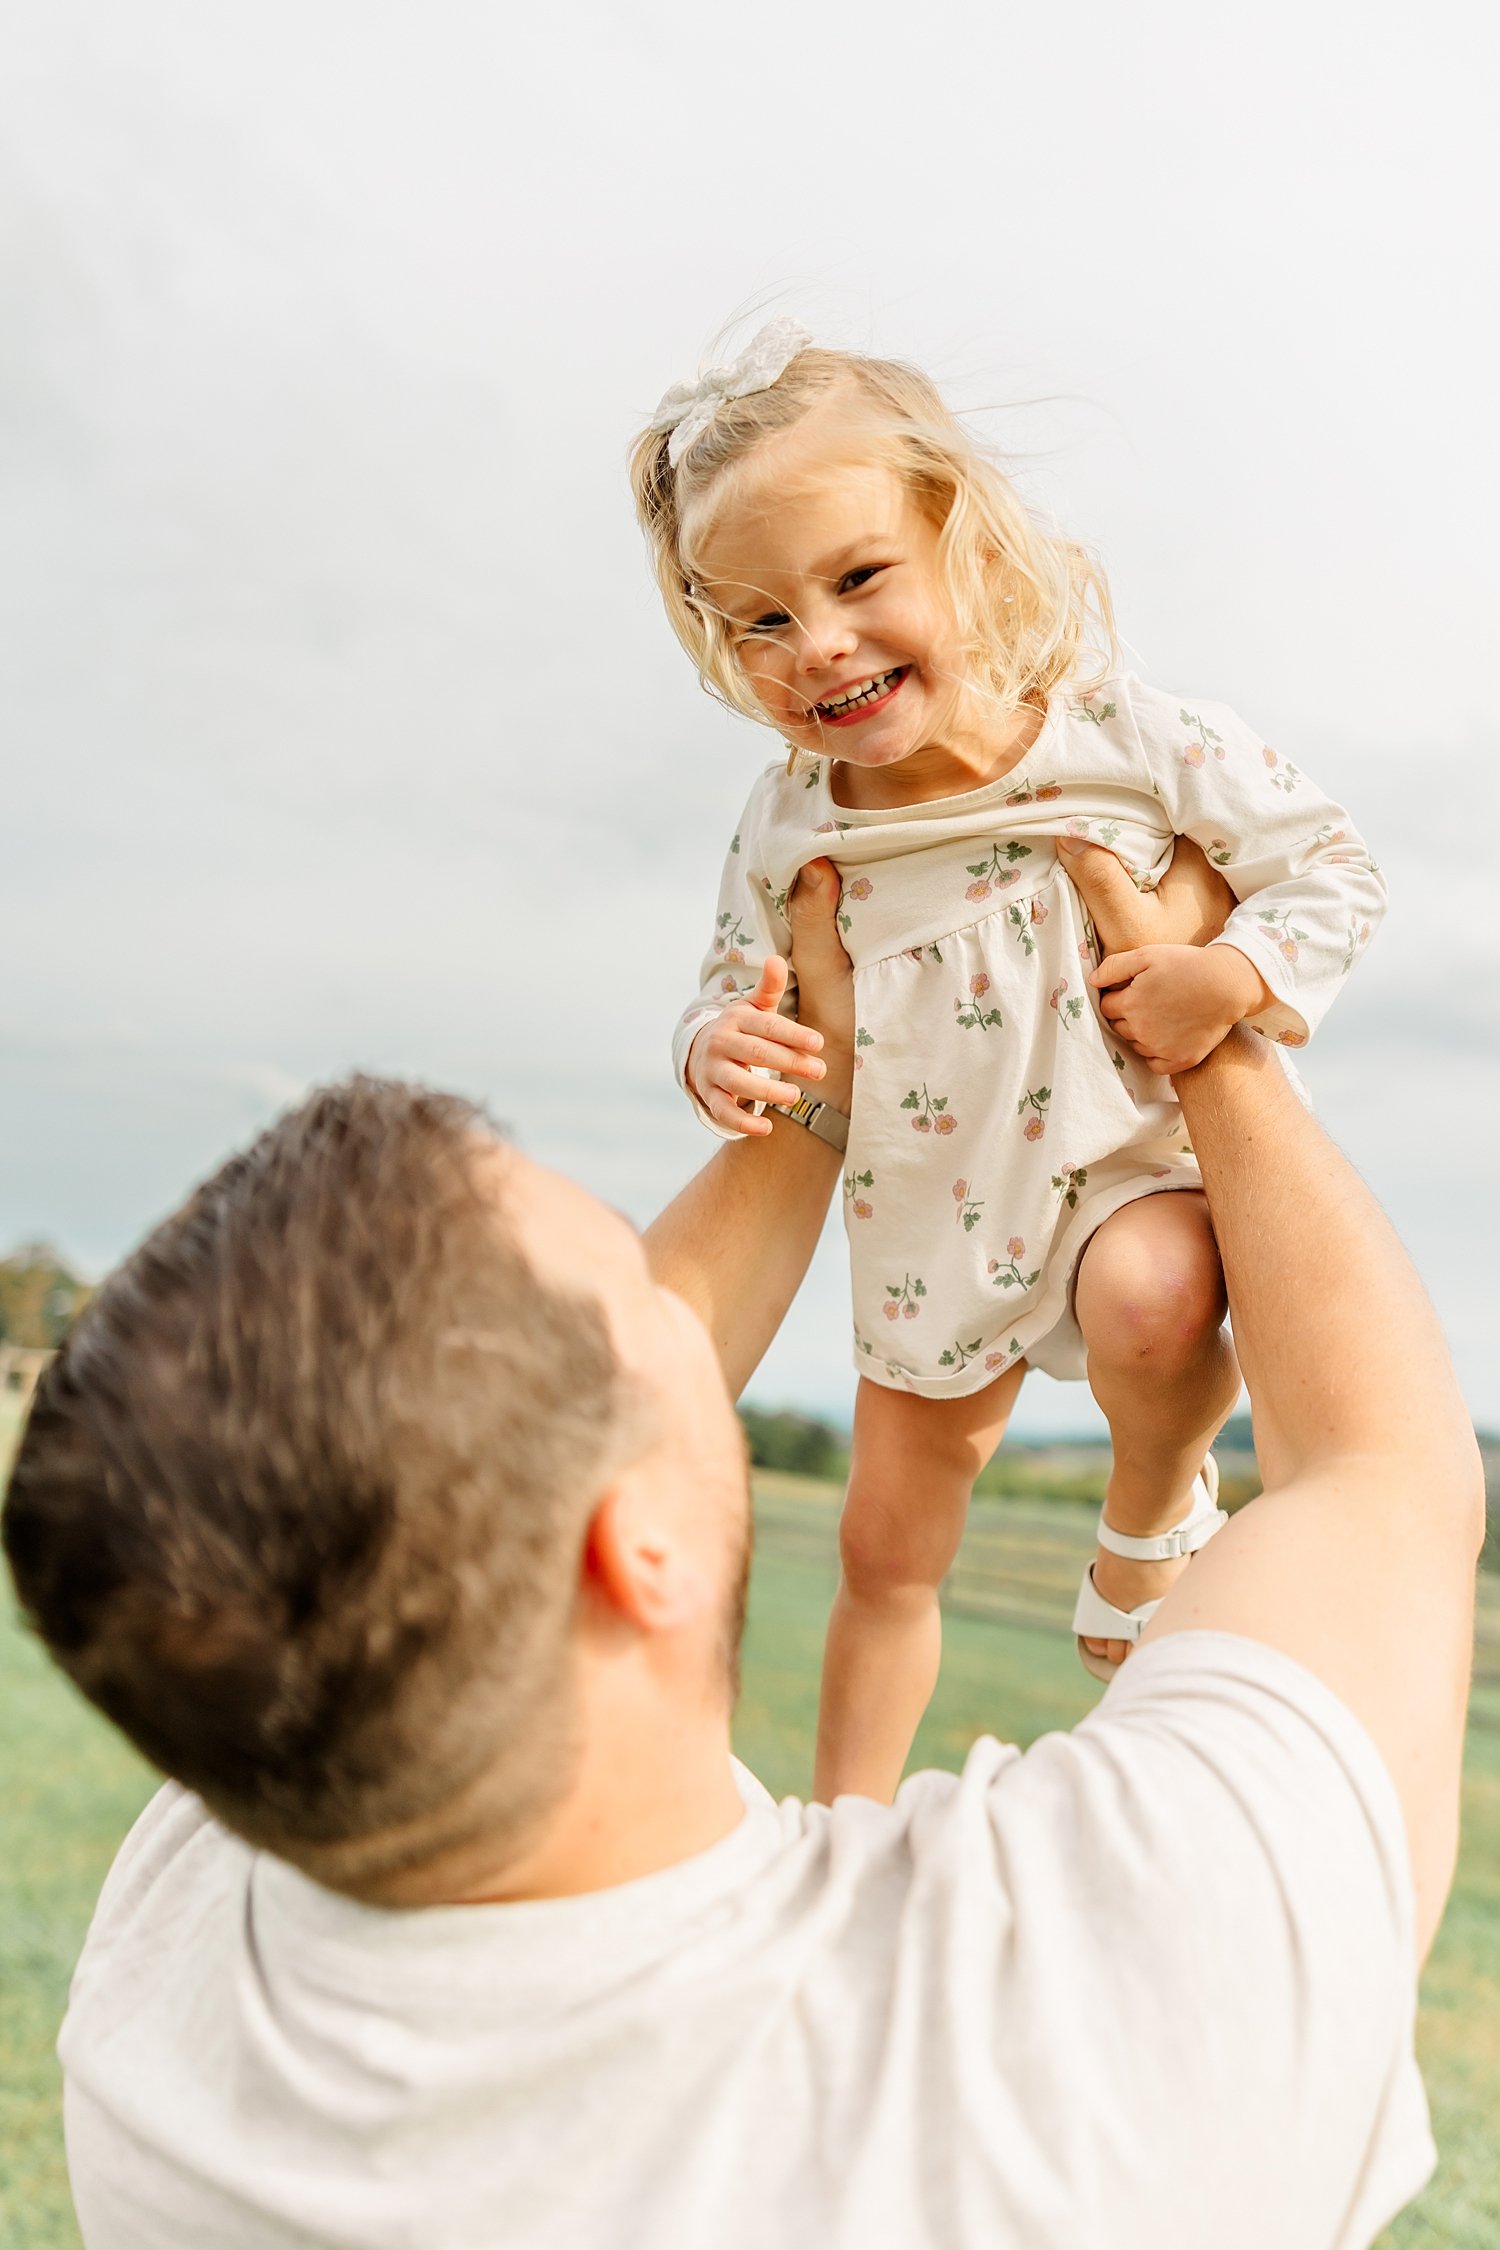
x: 772, y: 982
x: 726, y: 1112
x: 771, y: 1054
x: 743, y: 1085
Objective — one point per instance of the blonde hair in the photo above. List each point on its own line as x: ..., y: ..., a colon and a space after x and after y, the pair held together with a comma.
x: 1032, y: 606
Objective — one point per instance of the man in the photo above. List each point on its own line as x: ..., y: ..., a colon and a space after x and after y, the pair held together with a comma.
x: 394, y: 1504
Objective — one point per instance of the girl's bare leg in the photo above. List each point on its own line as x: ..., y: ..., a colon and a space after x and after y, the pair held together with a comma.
x: 913, y: 1466
x: 1150, y: 1302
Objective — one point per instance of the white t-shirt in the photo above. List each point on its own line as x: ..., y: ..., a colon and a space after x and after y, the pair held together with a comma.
x: 1150, y: 1983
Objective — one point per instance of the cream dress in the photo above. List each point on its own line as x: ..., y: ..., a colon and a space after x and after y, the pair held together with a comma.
x: 996, y: 1120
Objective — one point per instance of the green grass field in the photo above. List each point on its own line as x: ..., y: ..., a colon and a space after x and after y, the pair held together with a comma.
x: 72, y: 1788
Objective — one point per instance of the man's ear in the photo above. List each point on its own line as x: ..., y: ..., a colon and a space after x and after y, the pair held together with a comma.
x: 637, y: 1563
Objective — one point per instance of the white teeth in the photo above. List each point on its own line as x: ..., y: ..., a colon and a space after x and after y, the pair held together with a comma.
x: 869, y: 693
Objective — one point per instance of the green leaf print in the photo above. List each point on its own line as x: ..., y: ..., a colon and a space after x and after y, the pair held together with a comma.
x: 997, y: 872
x: 1068, y: 1010
x: 1009, y: 1275
x: 1208, y: 745
x: 902, y: 1302
x: 853, y: 1182
x: 1280, y: 772
x: 1087, y: 711
x: 1290, y: 937
x: 959, y: 1355
x: 1068, y: 1181
x: 1035, y: 1100
x: 731, y: 938
x: 931, y: 1112
x: 972, y: 1013
x: 966, y: 1210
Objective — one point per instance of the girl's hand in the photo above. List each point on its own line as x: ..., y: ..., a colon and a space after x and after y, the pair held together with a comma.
x: 746, y: 1037
x: 1174, y: 1003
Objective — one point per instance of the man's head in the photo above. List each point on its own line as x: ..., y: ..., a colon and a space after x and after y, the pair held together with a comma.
x: 304, y: 1502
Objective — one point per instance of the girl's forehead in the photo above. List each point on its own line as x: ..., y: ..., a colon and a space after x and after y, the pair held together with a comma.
x: 788, y: 509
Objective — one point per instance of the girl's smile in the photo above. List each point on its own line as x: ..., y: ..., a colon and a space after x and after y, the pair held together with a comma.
x: 829, y: 580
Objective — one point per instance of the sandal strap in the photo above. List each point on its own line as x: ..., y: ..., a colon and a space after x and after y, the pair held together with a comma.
x: 1203, y: 1519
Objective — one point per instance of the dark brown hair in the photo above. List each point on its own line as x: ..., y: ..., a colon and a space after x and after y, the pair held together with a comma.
x: 299, y: 1504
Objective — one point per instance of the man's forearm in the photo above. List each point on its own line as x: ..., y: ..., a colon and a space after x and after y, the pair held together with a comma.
x: 1340, y: 1347
x: 736, y: 1242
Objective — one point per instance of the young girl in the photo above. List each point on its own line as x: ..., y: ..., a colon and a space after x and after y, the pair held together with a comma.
x: 844, y: 565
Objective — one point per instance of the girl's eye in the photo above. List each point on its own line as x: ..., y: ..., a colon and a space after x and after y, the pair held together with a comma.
x: 852, y: 580
x: 772, y: 622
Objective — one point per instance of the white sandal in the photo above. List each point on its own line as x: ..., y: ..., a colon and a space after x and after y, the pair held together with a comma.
x: 1095, y: 1619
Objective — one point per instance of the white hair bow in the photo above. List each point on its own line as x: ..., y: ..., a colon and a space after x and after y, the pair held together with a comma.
x: 687, y: 409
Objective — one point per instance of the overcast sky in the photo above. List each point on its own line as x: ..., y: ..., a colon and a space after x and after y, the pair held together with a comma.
x: 340, y: 725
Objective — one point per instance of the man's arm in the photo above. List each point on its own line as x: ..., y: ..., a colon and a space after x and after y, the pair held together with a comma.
x: 1358, y: 1560
x: 737, y: 1240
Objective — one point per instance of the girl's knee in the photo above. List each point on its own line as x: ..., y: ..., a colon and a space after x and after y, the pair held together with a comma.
x: 885, y: 1550
x: 1162, y: 1301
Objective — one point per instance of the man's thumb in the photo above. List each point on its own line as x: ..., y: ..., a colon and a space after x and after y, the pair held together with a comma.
x: 1096, y: 873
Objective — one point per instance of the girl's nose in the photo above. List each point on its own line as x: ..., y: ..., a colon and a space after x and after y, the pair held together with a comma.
x: 825, y: 637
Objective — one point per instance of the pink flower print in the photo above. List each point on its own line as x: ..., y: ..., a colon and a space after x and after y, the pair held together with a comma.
x: 861, y: 1209
x: 1291, y: 1038
x: 1159, y: 1172
x: 1050, y: 793
x: 1034, y: 1099
x: 1038, y: 911
x: 1220, y: 851
x: 979, y: 986
x: 735, y: 958
x: 892, y: 1312
x: 1195, y: 752
x: 1010, y: 1276
x: 826, y: 828
x: 993, y: 1266
x: 1075, y: 828
x: 969, y: 1207
x: 945, y: 1125
x: 1269, y: 755
x: 909, y: 1310
x: 727, y: 984
x: 901, y: 1298
x: 992, y: 1360
x: 861, y: 887
x: 996, y: 872
x: 1068, y: 1011
x: 859, y: 1062
x: 1288, y: 949
x: 929, y: 1110
x: 1364, y: 933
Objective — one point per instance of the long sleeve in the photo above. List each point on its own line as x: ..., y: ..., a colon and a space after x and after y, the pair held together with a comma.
x: 750, y: 924
x: 1310, y: 894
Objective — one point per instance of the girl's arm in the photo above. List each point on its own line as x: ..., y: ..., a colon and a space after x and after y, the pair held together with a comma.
x: 736, y: 1242
x: 1310, y: 894
x: 724, y: 1033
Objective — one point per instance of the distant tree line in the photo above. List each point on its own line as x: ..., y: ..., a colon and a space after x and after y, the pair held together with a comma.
x: 39, y: 1296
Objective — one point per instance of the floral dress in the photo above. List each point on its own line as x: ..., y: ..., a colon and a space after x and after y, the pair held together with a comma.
x: 996, y: 1121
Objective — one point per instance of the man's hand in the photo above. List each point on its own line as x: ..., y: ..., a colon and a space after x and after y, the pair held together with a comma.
x: 825, y: 980
x: 1174, y: 1003
x: 745, y: 1039
x: 1190, y: 904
